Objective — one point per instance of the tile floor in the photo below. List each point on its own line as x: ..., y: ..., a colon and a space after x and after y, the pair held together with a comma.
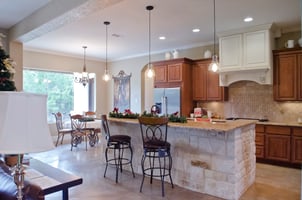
x: 272, y: 183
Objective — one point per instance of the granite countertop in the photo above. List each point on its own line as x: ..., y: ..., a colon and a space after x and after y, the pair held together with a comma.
x: 222, y: 125
x: 281, y: 123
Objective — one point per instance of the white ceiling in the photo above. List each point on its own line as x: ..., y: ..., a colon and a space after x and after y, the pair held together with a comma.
x: 174, y: 19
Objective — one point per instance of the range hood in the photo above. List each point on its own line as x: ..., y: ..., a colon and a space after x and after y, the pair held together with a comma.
x: 260, y: 76
x: 246, y: 54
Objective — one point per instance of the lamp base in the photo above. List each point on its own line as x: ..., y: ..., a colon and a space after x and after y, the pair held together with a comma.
x: 18, y: 173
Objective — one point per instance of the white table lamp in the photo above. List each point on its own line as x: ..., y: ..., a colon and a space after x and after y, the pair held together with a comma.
x: 23, y: 128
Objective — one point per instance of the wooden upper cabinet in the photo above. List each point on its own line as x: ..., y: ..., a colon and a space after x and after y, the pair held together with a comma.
x: 160, y: 73
x: 206, y: 83
x: 171, y: 73
x: 287, y: 75
x: 199, y: 77
x: 174, y: 72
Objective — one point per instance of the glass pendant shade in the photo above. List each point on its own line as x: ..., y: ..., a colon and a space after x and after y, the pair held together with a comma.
x: 150, y: 70
x: 106, y: 76
x: 214, y: 66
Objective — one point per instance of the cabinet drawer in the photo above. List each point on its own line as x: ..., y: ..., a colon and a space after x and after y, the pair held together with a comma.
x: 297, y: 131
x: 259, y: 151
x: 280, y: 130
x: 259, y: 139
x: 259, y: 128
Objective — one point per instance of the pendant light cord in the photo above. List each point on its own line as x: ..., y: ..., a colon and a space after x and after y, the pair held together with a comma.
x: 149, y: 8
x: 84, y: 67
x: 106, y: 67
x: 214, y: 29
x: 149, y: 37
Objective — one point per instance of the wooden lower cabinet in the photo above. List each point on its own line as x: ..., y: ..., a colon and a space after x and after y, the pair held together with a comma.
x: 281, y: 145
x: 297, y: 145
x: 277, y: 147
x: 260, y: 141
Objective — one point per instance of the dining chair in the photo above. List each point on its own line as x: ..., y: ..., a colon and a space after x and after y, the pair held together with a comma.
x: 60, y: 127
x: 79, y: 130
x: 97, y: 131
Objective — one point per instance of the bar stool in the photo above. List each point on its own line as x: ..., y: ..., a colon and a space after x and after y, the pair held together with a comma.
x: 117, y: 143
x: 156, y: 149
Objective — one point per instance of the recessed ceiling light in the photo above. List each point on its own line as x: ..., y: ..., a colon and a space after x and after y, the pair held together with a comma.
x: 195, y: 30
x: 162, y: 37
x: 248, y: 19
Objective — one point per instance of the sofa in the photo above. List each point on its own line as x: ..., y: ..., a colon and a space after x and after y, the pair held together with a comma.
x: 8, y: 188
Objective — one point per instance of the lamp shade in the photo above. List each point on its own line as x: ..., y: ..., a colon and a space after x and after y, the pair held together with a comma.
x: 23, y: 123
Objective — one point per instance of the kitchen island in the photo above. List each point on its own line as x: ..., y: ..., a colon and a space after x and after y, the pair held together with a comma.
x: 211, y: 158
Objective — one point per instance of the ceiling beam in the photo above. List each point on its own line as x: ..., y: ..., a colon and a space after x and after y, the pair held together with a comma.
x: 55, y: 15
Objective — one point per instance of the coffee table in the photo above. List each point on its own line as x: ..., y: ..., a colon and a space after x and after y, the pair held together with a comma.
x: 51, y: 179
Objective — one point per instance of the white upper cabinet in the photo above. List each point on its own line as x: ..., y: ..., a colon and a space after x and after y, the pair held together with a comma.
x: 248, y: 51
x: 257, y: 50
x: 230, y: 52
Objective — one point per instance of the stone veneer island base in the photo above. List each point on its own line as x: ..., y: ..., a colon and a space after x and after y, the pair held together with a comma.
x: 212, y: 158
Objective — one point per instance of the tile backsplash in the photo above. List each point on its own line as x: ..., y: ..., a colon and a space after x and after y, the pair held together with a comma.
x: 252, y: 100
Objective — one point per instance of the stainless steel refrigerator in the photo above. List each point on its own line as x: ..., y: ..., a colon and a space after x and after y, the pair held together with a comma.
x: 167, y: 100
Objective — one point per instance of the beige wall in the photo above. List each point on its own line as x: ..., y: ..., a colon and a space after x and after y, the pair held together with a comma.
x: 53, y: 62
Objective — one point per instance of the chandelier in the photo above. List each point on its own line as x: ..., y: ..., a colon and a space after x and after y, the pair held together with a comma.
x: 106, y: 76
x: 214, y: 66
x: 150, y: 72
x: 84, y: 78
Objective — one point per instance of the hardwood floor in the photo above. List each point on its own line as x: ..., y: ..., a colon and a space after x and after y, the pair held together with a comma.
x: 272, y: 182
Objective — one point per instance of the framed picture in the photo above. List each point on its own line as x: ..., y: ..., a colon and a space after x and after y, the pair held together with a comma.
x: 121, y: 91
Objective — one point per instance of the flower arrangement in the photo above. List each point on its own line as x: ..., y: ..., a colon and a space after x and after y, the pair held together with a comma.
x: 172, y: 118
x: 126, y: 114
x: 176, y: 118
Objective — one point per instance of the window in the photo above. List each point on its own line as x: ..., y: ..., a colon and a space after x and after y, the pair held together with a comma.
x: 63, y: 94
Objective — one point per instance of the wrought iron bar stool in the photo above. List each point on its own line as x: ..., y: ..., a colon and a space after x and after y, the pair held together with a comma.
x: 117, y: 143
x: 156, y: 160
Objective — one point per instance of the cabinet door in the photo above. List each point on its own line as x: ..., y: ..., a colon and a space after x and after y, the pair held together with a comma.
x: 199, y: 81
x: 277, y: 147
x: 160, y: 73
x: 214, y: 91
x: 299, y: 77
x: 285, y: 77
x: 297, y: 145
x: 174, y: 72
x: 297, y: 149
x: 230, y: 52
x: 255, y: 45
x: 259, y: 141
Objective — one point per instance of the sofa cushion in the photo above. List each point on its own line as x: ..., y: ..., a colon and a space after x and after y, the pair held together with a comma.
x: 8, y: 188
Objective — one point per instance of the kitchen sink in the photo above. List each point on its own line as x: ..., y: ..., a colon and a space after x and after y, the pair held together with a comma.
x: 246, y: 118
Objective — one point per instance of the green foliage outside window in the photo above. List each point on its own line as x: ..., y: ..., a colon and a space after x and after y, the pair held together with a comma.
x: 57, y: 85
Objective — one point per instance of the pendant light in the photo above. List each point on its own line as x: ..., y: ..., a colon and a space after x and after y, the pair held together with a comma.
x: 150, y: 71
x: 106, y: 76
x: 84, y: 79
x: 214, y: 66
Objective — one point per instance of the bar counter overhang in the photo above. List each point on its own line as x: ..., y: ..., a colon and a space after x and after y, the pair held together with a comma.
x: 212, y: 158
